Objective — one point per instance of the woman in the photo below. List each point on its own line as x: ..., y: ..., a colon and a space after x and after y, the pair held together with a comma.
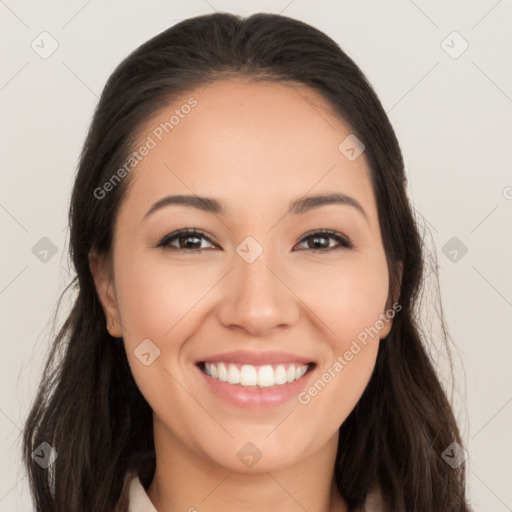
x: 244, y: 335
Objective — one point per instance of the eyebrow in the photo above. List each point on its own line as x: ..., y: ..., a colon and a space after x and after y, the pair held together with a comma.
x: 296, y: 207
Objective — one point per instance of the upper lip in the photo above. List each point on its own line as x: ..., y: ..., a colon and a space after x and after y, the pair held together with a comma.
x: 254, y: 358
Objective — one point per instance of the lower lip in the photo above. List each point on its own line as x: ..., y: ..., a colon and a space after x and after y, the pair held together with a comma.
x: 250, y: 397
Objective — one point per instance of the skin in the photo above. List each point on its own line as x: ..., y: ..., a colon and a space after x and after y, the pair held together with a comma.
x: 255, y: 147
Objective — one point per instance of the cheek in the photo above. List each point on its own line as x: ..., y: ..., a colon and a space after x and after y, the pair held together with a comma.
x: 161, y: 303
x: 349, y: 301
x: 155, y: 297
x: 347, y: 298
x: 164, y: 303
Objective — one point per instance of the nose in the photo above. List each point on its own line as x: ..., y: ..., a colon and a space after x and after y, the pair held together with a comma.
x: 257, y: 298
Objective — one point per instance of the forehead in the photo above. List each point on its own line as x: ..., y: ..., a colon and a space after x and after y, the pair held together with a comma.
x: 243, y: 139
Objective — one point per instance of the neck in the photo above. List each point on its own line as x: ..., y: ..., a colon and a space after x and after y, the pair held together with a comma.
x: 185, y: 481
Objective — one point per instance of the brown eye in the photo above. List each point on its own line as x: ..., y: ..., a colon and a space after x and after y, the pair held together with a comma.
x: 319, y: 241
x: 187, y: 240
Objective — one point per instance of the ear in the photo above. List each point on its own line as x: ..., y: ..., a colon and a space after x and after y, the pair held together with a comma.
x: 392, y: 305
x: 101, y: 270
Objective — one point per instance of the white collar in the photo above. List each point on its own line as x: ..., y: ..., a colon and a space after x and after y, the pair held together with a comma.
x: 138, y: 499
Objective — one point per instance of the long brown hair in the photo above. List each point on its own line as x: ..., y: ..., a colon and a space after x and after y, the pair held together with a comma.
x: 88, y: 407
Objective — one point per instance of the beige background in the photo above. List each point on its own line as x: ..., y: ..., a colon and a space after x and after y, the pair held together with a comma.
x: 452, y: 117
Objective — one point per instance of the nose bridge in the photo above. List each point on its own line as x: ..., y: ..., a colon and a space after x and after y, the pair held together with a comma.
x: 255, y: 296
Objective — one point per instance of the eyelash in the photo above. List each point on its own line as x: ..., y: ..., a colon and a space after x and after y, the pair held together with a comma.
x: 326, y: 233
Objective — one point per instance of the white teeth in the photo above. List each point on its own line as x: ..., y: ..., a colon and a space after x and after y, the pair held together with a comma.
x: 223, y: 374
x: 266, y: 376
x: 299, y: 372
x: 248, y: 375
x: 233, y: 374
x: 280, y: 375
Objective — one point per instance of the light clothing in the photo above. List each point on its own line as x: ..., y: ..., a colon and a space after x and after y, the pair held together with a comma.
x: 140, y: 502
x: 138, y: 499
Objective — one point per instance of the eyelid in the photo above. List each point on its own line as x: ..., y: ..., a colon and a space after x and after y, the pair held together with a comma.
x: 190, y: 230
x: 344, y: 242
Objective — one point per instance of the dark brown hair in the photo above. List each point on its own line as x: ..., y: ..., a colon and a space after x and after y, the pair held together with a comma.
x: 88, y: 407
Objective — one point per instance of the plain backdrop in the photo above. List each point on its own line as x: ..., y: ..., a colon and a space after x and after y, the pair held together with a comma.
x: 442, y: 72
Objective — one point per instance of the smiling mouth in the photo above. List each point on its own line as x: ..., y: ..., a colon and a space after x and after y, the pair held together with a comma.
x: 251, y: 376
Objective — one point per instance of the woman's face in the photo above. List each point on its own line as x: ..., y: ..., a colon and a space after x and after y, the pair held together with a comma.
x: 251, y: 295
